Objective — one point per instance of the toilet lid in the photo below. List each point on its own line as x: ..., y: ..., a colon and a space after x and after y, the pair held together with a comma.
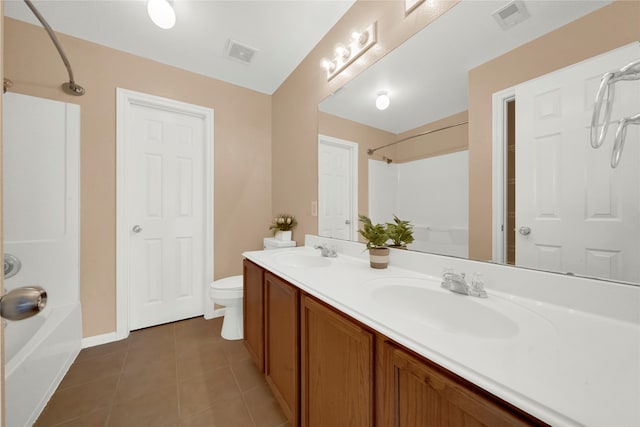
x: 228, y: 283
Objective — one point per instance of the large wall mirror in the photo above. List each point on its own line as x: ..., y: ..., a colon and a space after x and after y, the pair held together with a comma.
x: 492, y: 165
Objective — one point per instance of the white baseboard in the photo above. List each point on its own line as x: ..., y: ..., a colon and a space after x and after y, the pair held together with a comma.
x: 113, y: 336
x: 99, y: 339
x: 218, y: 312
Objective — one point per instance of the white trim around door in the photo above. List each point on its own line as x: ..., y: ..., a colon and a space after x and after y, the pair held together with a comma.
x: 352, y: 148
x: 126, y: 99
x: 499, y: 155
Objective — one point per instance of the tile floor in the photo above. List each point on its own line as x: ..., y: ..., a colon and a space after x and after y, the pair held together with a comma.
x: 180, y: 374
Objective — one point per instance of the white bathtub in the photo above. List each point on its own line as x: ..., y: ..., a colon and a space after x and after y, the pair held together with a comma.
x: 38, y: 353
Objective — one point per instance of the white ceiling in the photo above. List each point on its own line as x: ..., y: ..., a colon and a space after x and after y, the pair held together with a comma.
x: 284, y: 32
x: 426, y: 77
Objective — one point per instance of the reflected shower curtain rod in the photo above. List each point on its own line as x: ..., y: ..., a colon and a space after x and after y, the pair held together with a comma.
x: 72, y: 88
x: 370, y: 151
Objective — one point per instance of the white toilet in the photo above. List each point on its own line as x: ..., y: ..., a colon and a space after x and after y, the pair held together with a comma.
x: 228, y: 293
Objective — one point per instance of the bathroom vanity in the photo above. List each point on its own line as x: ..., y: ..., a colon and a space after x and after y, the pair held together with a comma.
x: 343, y: 344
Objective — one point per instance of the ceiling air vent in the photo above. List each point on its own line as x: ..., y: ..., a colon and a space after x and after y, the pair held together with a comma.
x: 511, y: 14
x: 239, y: 52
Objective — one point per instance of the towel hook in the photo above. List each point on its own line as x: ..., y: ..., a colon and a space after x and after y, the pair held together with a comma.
x: 621, y: 135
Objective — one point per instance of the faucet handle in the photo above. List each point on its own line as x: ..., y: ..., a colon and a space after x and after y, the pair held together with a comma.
x: 333, y: 251
x: 447, y: 274
x: 476, y: 288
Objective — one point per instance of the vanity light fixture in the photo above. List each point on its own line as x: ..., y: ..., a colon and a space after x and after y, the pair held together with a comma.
x: 382, y: 101
x: 361, y: 41
x: 343, y: 52
x: 161, y: 13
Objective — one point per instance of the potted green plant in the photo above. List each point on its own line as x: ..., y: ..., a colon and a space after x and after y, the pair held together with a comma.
x: 376, y: 238
x: 400, y: 232
x: 282, y: 226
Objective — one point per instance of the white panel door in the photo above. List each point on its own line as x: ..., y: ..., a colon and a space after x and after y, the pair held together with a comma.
x: 583, y: 216
x: 337, y: 188
x: 41, y: 160
x: 164, y: 203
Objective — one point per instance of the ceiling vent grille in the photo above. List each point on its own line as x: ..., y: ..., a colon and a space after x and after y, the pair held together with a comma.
x: 239, y: 52
x: 511, y: 14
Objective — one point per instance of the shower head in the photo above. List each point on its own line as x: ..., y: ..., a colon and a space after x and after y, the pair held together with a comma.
x: 6, y: 84
x: 72, y: 88
x: 370, y: 152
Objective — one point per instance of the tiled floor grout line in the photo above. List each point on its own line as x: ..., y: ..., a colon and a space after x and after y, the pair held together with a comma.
x: 115, y: 391
x: 175, y: 357
x: 242, y: 393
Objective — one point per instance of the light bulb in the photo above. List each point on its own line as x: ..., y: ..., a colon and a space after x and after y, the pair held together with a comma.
x: 161, y: 13
x: 343, y: 52
x: 382, y: 101
x: 360, y: 38
x: 328, y: 65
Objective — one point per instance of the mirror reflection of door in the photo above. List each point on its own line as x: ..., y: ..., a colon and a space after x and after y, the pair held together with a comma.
x: 337, y: 188
x: 511, y: 182
x: 573, y: 212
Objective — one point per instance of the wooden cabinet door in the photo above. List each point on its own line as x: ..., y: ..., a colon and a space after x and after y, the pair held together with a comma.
x: 417, y: 394
x: 282, y: 346
x: 337, y: 368
x: 253, y: 312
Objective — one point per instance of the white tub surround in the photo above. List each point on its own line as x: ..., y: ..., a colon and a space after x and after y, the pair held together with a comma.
x: 41, y: 171
x: 562, y: 348
x: 39, y: 352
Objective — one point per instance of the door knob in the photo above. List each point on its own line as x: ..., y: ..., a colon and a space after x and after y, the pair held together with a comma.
x: 22, y: 303
x: 136, y: 229
x: 346, y: 221
x: 524, y: 230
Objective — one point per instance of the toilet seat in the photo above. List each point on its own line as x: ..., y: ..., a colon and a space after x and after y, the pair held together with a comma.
x: 229, y: 287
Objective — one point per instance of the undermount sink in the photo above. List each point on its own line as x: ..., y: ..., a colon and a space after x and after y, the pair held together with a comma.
x: 419, y: 301
x: 302, y: 260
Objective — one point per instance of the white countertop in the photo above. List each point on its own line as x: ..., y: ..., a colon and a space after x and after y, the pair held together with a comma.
x: 562, y: 365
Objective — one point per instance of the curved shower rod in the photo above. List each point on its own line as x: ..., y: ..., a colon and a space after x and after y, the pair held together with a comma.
x: 71, y: 88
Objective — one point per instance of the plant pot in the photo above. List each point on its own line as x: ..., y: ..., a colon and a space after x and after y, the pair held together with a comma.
x: 379, y: 257
x: 283, y: 235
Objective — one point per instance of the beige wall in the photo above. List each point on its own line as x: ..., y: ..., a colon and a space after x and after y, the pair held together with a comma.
x: 242, y: 150
x: 366, y: 137
x: 605, y: 29
x: 294, y: 104
x: 435, y: 144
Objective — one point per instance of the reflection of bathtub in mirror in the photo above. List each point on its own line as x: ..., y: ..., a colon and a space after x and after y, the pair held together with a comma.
x: 427, y: 194
x: 452, y: 241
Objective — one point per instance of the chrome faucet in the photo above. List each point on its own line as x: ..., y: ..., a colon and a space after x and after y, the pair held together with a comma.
x: 326, y: 251
x: 457, y: 283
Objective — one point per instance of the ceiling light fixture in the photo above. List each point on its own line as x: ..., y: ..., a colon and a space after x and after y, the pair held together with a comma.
x: 161, y: 13
x: 345, y: 54
x: 382, y: 101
